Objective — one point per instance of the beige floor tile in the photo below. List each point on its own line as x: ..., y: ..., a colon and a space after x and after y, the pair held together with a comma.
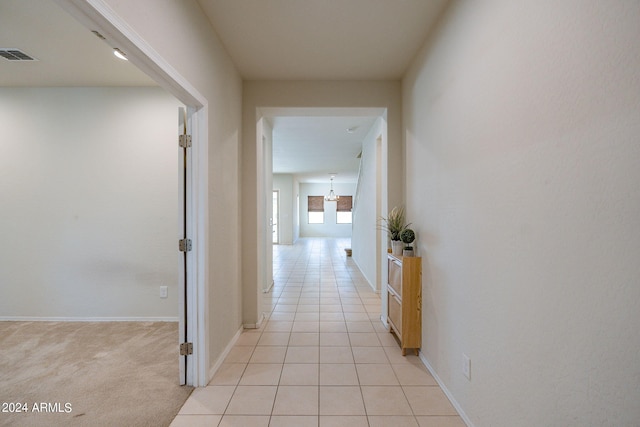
x: 278, y: 326
x: 429, y: 400
x: 394, y: 354
x: 296, y: 400
x: 372, y: 309
x: 336, y: 354
x: 330, y: 308
x: 409, y: 374
x: 338, y: 374
x: 288, y: 300
x: 239, y: 354
x: 334, y: 339
x: 286, y: 308
x: 261, y: 374
x: 387, y: 339
x: 267, y: 354
x: 293, y: 421
x: 274, y: 338
x: 308, y: 308
x: 228, y: 374
x: 307, y: 317
x: 393, y: 421
x: 300, y: 374
x: 299, y: 326
x: 288, y: 316
x: 360, y: 327
x: 353, y: 308
x: 208, y: 400
x: 440, y: 421
x: 332, y: 317
x: 196, y: 420
x: 376, y: 374
x: 252, y: 400
x: 248, y: 338
x: 333, y: 327
x: 244, y: 421
x: 302, y: 355
x: 364, y: 339
x: 343, y: 421
x: 341, y: 400
x: 369, y: 355
x: 303, y: 339
x: 356, y: 317
x: 385, y: 400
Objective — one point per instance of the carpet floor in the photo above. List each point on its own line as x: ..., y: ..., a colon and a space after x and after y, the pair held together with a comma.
x: 89, y: 374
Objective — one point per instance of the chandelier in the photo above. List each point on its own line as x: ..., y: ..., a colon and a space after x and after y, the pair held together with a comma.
x: 331, y: 197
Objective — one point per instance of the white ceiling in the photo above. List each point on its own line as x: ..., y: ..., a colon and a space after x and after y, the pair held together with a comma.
x: 267, y: 39
x: 312, y: 147
x: 322, y: 39
x: 67, y: 53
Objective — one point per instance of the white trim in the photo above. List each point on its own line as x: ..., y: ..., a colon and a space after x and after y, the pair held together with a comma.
x: 98, y: 15
x: 446, y: 391
x: 224, y: 354
x: 85, y: 319
x: 255, y: 325
x: 198, y: 315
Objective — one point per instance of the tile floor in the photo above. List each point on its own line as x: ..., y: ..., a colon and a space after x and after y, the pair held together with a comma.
x: 321, y: 358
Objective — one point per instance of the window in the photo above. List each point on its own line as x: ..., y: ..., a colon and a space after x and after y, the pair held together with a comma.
x: 343, y: 210
x: 315, y: 209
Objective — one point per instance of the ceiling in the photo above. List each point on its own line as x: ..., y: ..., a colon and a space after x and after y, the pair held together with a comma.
x: 312, y: 147
x: 67, y: 53
x: 267, y: 39
x: 322, y: 39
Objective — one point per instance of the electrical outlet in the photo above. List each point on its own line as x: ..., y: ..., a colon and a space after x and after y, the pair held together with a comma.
x: 466, y: 366
x: 164, y: 291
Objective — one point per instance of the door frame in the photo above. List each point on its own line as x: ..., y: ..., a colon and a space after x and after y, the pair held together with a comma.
x: 97, y: 15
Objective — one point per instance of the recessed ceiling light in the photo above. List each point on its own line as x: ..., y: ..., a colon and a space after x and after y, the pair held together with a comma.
x: 117, y: 52
x: 352, y: 130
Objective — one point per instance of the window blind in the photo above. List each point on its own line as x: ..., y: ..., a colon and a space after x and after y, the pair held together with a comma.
x: 315, y: 203
x: 344, y: 204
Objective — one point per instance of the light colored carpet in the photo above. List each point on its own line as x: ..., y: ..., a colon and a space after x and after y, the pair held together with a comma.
x: 109, y: 373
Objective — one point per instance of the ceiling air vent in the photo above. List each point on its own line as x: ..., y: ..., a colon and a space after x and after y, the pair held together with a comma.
x: 12, y: 54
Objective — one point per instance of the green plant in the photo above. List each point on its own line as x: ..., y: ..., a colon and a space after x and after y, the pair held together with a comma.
x: 407, y: 236
x: 394, y: 223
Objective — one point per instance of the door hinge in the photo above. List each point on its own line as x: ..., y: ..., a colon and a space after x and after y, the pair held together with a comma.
x: 184, y: 141
x: 184, y: 245
x: 186, y: 348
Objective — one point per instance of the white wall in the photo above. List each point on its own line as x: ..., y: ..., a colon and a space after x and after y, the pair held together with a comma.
x: 181, y: 34
x: 523, y: 163
x: 89, y: 190
x: 330, y: 228
x: 365, y: 241
x: 284, y: 184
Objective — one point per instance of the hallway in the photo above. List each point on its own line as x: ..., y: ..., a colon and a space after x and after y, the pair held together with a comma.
x: 322, y: 357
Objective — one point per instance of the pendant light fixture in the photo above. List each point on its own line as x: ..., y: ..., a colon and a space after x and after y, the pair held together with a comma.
x: 331, y: 197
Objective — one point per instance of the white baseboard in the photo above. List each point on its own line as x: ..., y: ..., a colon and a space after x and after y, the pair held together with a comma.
x: 255, y: 325
x: 224, y: 354
x: 85, y: 319
x: 446, y: 391
x: 266, y: 291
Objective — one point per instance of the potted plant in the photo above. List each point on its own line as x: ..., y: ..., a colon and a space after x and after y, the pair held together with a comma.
x: 394, y: 224
x: 407, y: 236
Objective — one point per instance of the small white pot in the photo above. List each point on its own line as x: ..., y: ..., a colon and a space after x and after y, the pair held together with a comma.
x: 396, y: 247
